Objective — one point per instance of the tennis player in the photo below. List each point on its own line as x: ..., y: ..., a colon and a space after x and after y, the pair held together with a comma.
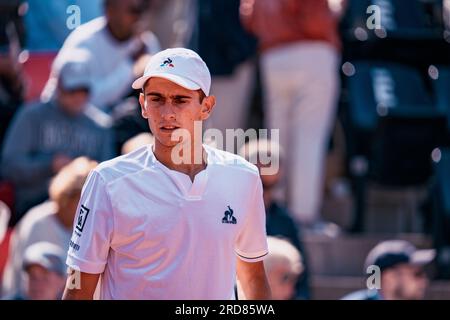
x: 173, y: 220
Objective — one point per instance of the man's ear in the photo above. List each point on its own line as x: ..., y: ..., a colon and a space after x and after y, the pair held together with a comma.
x: 143, y: 103
x: 208, y: 104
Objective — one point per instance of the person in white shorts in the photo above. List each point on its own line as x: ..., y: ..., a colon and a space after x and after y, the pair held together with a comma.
x: 176, y: 219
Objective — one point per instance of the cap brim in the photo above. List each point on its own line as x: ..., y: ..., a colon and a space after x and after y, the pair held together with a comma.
x: 423, y: 257
x: 183, y: 82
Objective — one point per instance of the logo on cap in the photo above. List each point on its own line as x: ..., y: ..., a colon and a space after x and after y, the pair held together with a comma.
x: 167, y: 62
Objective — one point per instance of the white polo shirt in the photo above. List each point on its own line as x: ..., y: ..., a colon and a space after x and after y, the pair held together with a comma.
x: 156, y: 235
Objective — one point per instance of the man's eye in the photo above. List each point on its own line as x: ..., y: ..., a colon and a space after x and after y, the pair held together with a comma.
x: 155, y: 99
x: 179, y: 101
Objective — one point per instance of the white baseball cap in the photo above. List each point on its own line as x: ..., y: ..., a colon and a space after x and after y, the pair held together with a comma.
x: 182, y: 66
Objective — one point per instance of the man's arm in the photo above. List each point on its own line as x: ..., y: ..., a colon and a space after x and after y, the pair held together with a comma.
x: 82, y: 288
x: 253, y: 280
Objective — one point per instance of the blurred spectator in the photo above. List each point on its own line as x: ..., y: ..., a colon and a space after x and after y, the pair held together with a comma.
x: 50, y: 221
x: 278, y: 217
x: 172, y: 21
x: 5, y: 215
x: 402, y: 268
x: 48, y: 23
x: 138, y: 141
x: 46, y: 136
x: 283, y: 266
x: 228, y: 50
x: 120, y: 48
x: 11, y: 77
x: 300, y: 47
x: 45, y: 269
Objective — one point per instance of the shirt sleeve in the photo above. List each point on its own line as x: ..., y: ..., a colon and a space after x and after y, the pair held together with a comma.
x: 93, y: 227
x: 251, y: 244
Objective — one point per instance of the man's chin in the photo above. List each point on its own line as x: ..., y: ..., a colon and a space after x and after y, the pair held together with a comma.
x: 166, y: 141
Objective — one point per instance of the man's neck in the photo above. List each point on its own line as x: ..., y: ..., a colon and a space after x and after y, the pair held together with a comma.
x: 191, y: 165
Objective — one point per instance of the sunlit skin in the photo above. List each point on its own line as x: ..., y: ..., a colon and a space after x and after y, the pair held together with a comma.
x: 404, y: 282
x: 282, y: 281
x: 169, y: 107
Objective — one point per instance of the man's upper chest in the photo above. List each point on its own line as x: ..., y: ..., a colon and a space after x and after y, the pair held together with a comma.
x: 215, y: 203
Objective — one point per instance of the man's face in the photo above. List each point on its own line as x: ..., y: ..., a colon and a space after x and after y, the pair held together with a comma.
x: 73, y: 102
x: 410, y: 282
x: 282, y: 281
x: 43, y: 284
x: 413, y: 282
x: 170, y: 107
x: 123, y: 17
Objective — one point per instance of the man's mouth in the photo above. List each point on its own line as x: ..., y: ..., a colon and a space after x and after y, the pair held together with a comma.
x: 168, y: 128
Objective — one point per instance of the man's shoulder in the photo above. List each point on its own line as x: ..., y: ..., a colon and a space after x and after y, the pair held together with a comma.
x: 231, y: 161
x: 123, y: 165
x: 34, y: 108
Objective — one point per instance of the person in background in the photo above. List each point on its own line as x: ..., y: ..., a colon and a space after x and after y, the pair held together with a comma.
x: 402, y: 268
x: 45, y: 272
x: 120, y: 50
x: 50, y: 221
x: 300, y: 76
x: 229, y: 50
x: 284, y: 266
x: 172, y: 21
x: 11, y: 74
x: 278, y: 218
x: 45, y: 136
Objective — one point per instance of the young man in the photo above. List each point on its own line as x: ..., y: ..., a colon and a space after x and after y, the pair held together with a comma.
x: 151, y: 225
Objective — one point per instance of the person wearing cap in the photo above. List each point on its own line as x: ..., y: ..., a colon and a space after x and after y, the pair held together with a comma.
x: 173, y: 220
x: 43, y: 264
x: 51, y: 221
x: 402, y: 268
x: 45, y: 136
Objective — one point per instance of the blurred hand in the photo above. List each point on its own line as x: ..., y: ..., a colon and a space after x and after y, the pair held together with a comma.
x: 140, y: 64
x: 60, y: 161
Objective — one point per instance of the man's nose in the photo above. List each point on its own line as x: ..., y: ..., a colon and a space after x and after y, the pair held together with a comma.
x: 167, y: 111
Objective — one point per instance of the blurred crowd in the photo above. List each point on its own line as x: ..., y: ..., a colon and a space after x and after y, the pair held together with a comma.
x: 66, y: 104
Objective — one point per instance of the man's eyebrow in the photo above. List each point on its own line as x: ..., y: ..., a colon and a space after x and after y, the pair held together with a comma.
x: 154, y: 94
x: 180, y: 96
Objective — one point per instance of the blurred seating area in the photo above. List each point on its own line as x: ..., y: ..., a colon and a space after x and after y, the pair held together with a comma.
x: 359, y: 89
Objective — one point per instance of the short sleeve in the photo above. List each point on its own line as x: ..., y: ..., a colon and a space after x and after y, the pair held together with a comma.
x: 251, y: 243
x: 93, y: 226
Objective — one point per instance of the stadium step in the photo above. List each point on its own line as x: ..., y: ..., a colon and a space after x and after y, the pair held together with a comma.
x: 334, y: 288
x: 345, y: 254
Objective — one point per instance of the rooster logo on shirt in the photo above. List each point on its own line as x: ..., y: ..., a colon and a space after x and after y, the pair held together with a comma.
x: 228, y: 217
